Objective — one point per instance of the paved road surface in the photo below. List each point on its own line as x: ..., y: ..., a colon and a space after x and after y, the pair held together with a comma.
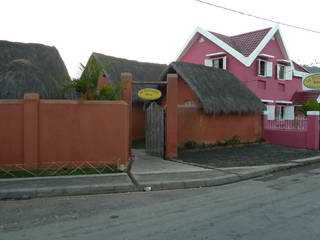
x: 282, y: 206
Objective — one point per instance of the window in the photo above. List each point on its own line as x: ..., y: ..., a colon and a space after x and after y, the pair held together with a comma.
x: 289, y: 113
x: 189, y: 103
x: 284, y: 72
x: 271, y: 112
x: 264, y: 68
x: 284, y: 112
x: 280, y: 112
x: 220, y: 62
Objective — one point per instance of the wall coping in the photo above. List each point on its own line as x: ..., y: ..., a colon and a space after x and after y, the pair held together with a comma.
x: 83, y: 102
x: 31, y: 96
x: 11, y: 101
x: 313, y: 113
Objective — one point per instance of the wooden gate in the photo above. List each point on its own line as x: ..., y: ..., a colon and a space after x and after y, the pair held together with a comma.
x: 155, y: 130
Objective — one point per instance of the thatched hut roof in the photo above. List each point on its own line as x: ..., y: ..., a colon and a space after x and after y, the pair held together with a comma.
x: 219, y: 91
x: 141, y: 71
x: 28, y: 67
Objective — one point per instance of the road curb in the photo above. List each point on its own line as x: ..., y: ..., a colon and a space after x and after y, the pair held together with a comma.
x: 26, y: 188
x: 230, y: 178
x: 66, y: 191
x: 95, y: 187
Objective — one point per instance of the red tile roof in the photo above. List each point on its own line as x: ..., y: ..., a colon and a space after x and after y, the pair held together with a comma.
x: 300, y: 98
x: 244, y: 43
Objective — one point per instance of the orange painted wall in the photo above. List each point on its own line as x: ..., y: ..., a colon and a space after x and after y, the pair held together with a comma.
x: 194, y: 125
x: 138, y: 122
x: 11, y: 132
x: 185, y: 93
x: 68, y: 131
x: 90, y: 131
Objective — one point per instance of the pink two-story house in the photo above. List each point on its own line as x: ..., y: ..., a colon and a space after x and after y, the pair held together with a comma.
x: 259, y: 59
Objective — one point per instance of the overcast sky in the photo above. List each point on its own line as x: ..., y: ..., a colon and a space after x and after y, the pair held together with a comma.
x: 149, y: 30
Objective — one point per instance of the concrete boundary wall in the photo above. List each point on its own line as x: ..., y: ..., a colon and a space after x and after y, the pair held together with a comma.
x: 35, y: 133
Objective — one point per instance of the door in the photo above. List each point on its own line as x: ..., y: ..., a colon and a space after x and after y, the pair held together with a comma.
x: 155, y: 130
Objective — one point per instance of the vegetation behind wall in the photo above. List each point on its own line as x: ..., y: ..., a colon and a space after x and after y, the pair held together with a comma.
x: 311, y: 105
x: 87, y: 85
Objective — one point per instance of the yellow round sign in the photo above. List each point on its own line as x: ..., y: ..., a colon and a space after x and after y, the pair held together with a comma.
x: 149, y: 94
x: 312, y: 81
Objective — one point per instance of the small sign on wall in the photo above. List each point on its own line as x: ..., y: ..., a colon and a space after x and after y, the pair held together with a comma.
x: 312, y: 81
x: 149, y: 94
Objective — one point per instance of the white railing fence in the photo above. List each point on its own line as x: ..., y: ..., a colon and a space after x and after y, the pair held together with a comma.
x: 299, y: 123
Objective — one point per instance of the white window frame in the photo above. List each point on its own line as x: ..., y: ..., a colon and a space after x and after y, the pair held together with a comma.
x: 268, y: 70
x: 287, y: 72
x: 289, y: 112
x: 189, y: 103
x: 214, y: 62
x: 270, y: 111
x: 278, y: 71
x: 280, y: 112
x: 208, y: 62
x: 284, y: 112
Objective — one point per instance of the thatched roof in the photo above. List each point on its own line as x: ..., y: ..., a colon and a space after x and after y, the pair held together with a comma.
x: 28, y: 67
x: 219, y: 91
x: 141, y: 71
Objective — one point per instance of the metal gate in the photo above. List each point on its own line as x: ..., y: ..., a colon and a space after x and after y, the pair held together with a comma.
x: 155, y: 130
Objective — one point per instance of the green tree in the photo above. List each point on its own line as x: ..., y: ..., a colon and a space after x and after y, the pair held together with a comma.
x: 311, y: 105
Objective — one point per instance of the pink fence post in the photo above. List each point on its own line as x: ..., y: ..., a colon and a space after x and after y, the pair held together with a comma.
x: 313, y: 130
x: 264, y: 123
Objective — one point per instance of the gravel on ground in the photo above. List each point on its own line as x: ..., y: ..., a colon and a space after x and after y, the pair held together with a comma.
x: 248, y: 155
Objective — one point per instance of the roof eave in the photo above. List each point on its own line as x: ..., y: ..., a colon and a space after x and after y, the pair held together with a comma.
x: 301, y: 74
x: 239, y: 56
x: 262, y: 44
x: 188, y: 44
x: 247, y: 61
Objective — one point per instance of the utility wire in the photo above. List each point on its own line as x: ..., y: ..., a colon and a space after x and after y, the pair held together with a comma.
x: 255, y: 16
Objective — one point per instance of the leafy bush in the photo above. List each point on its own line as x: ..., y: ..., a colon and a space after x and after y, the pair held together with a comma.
x: 260, y: 140
x: 86, y: 85
x: 235, y: 140
x: 190, y: 144
x: 311, y: 105
x: 109, y: 92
